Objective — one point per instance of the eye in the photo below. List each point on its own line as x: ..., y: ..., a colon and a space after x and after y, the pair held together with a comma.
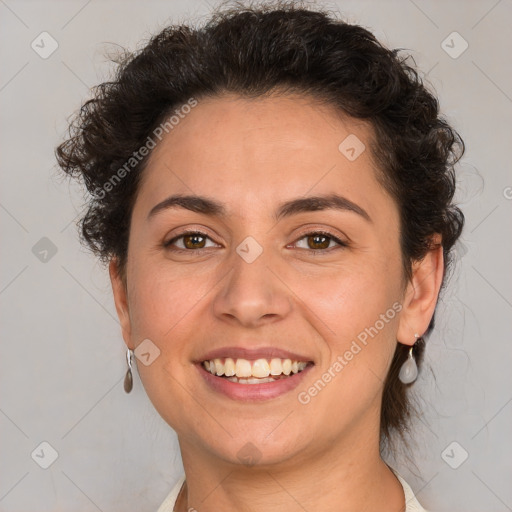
x: 189, y: 240
x: 320, y: 241
x: 316, y: 241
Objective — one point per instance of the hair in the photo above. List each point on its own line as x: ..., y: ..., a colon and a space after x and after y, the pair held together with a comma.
x: 251, y: 52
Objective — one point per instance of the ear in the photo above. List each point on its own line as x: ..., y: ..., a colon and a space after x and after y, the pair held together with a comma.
x: 121, y: 300
x: 421, y: 295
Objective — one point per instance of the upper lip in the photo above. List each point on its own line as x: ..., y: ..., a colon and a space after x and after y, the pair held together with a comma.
x: 252, y: 353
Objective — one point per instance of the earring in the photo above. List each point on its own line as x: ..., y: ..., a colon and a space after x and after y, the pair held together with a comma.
x: 128, y: 378
x: 409, y: 369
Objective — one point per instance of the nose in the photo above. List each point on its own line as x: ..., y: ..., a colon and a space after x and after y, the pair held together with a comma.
x: 252, y: 294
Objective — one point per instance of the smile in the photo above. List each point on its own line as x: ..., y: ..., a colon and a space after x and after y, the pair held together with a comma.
x: 256, y: 380
x: 260, y: 371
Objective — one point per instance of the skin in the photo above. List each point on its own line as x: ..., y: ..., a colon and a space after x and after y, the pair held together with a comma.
x: 252, y: 155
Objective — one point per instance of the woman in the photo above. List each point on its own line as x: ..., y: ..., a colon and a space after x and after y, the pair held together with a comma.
x: 273, y: 195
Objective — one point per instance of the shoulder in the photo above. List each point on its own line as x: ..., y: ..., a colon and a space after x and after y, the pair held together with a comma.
x: 411, y: 503
x: 170, y: 500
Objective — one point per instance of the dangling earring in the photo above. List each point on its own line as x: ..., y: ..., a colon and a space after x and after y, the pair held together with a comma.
x: 128, y: 378
x: 409, y: 369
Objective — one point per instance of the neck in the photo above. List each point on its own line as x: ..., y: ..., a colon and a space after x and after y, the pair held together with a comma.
x: 344, y: 477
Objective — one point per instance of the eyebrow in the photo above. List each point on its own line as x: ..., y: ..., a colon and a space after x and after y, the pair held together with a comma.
x: 211, y: 207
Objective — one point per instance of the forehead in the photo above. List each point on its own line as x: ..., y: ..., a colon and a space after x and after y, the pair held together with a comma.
x: 253, y: 152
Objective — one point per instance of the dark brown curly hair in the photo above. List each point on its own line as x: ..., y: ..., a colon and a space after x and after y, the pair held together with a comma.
x: 253, y: 51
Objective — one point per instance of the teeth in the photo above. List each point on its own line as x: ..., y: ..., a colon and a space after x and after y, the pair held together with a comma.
x: 261, y: 368
x: 229, y: 367
x: 243, y: 368
x: 255, y: 372
x: 251, y: 380
x: 219, y: 367
x: 276, y: 368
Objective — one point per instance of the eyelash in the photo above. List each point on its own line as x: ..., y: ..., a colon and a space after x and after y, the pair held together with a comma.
x: 341, y: 244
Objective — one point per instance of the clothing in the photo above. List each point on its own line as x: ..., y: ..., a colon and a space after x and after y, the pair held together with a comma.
x: 412, y: 504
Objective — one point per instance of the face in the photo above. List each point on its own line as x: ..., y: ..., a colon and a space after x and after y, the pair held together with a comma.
x: 266, y: 276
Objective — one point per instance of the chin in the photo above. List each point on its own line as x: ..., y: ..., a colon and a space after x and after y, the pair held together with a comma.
x: 258, y: 450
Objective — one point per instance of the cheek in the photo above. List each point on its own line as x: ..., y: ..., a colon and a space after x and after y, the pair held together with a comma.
x: 351, y: 298
x: 167, y: 301
x: 356, y: 313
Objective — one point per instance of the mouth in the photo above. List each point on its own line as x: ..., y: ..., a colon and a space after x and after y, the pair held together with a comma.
x: 251, y: 372
x: 253, y: 380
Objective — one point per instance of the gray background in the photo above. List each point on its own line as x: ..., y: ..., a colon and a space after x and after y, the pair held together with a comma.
x: 63, y: 358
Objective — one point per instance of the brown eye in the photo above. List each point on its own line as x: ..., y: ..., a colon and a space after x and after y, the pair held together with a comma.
x: 189, y: 241
x: 194, y: 241
x: 319, y: 241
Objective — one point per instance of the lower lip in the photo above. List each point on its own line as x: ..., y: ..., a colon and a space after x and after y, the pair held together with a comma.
x: 250, y: 392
